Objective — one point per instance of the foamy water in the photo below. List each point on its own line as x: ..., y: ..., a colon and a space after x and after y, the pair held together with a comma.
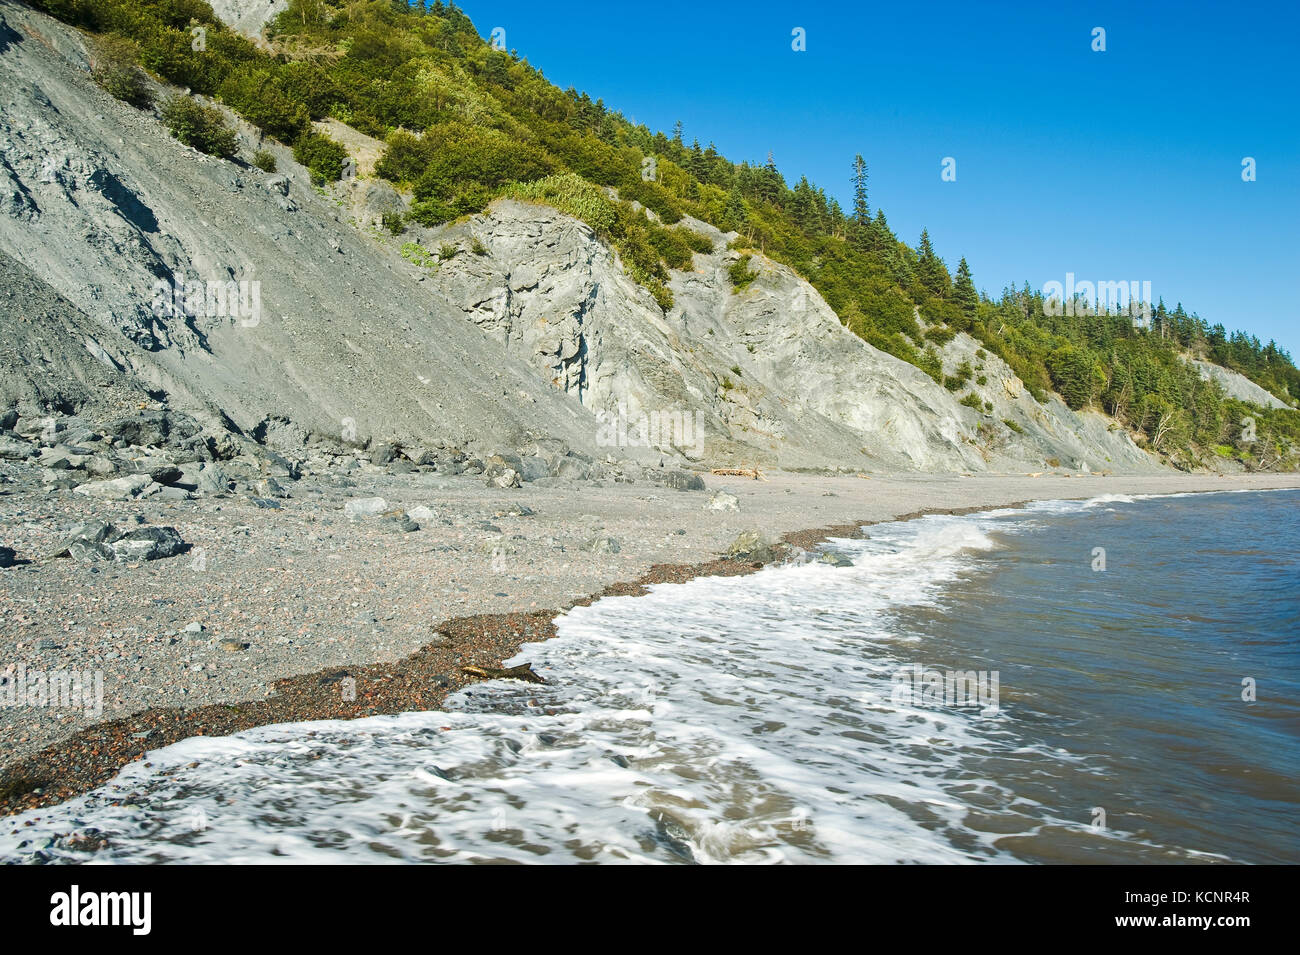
x: 751, y: 719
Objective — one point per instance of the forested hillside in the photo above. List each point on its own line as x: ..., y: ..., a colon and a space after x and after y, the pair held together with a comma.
x: 466, y: 123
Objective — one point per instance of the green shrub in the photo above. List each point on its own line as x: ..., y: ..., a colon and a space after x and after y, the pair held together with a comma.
x: 740, y: 275
x: 930, y: 363
x: 405, y: 158
x: 259, y: 98
x: 940, y: 334
x: 394, y: 222
x: 447, y: 251
x: 321, y: 155
x: 115, y: 69
x: 670, y: 245
x: 972, y: 400
x: 1013, y: 426
x: 419, y: 255
x: 477, y: 247
x: 203, y: 127
x: 264, y: 160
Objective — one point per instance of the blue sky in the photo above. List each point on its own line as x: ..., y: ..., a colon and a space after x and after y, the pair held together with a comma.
x: 1123, y: 165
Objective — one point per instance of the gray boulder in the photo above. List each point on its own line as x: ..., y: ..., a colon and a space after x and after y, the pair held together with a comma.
x: 98, y: 540
x: 723, y: 501
x: 681, y: 480
x: 118, y: 489
x: 752, y: 546
x: 364, y: 507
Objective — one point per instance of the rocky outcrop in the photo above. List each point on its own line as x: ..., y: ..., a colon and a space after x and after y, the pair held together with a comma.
x: 248, y: 16
x: 767, y: 376
x: 1238, y: 386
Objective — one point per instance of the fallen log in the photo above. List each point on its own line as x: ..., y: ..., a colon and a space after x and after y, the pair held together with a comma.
x: 523, y: 672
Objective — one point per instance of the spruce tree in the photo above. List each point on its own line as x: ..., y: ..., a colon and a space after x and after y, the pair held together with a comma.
x: 964, y: 293
x: 861, y: 212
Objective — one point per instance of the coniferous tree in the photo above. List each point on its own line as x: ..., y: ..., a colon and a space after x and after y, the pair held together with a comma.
x: 861, y: 211
x: 963, y: 291
x: 931, y: 271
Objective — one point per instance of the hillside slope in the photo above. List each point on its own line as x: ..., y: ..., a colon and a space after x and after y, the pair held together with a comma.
x: 542, y: 334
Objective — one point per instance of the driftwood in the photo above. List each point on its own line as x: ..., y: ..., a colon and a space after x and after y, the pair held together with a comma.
x: 739, y: 472
x: 524, y: 672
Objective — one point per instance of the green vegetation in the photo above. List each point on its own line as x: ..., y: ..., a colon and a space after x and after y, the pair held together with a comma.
x: 114, y: 67
x: 417, y: 254
x: 321, y: 155
x: 395, y: 222
x: 740, y: 274
x: 264, y: 160
x: 1013, y: 426
x: 203, y: 127
x: 466, y: 123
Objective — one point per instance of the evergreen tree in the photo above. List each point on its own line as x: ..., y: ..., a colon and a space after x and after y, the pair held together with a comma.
x: 735, y: 216
x: 963, y: 292
x: 861, y: 212
x: 931, y: 271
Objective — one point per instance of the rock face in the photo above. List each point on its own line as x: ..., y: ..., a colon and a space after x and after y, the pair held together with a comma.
x: 103, y: 212
x: 248, y: 16
x: 1238, y: 386
x: 767, y: 376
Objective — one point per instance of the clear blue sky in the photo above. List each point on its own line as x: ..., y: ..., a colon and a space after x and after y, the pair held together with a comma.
x: 1122, y: 165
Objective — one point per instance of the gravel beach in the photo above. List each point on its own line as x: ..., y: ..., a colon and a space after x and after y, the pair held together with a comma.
x: 303, y: 607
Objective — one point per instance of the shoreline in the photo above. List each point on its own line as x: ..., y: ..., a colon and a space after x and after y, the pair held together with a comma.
x: 421, y: 680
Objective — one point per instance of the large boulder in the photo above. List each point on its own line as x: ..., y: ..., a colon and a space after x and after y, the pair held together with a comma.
x: 118, y: 489
x: 99, y: 540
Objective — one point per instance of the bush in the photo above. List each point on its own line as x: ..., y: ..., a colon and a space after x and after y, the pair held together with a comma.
x: 203, y: 127
x: 671, y: 246
x: 740, y: 274
x: 972, y: 400
x: 264, y: 161
x: 1013, y: 426
x: 321, y: 155
x: 940, y: 334
x: 405, y: 158
x: 256, y: 96
x: 394, y: 222
x: 116, y: 71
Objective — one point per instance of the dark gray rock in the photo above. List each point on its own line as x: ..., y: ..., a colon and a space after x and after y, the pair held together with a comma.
x: 98, y: 540
x: 752, y: 546
x: 681, y: 481
x: 166, y: 473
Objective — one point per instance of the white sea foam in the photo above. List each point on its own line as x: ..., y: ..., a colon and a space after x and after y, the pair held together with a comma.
x: 722, y: 720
